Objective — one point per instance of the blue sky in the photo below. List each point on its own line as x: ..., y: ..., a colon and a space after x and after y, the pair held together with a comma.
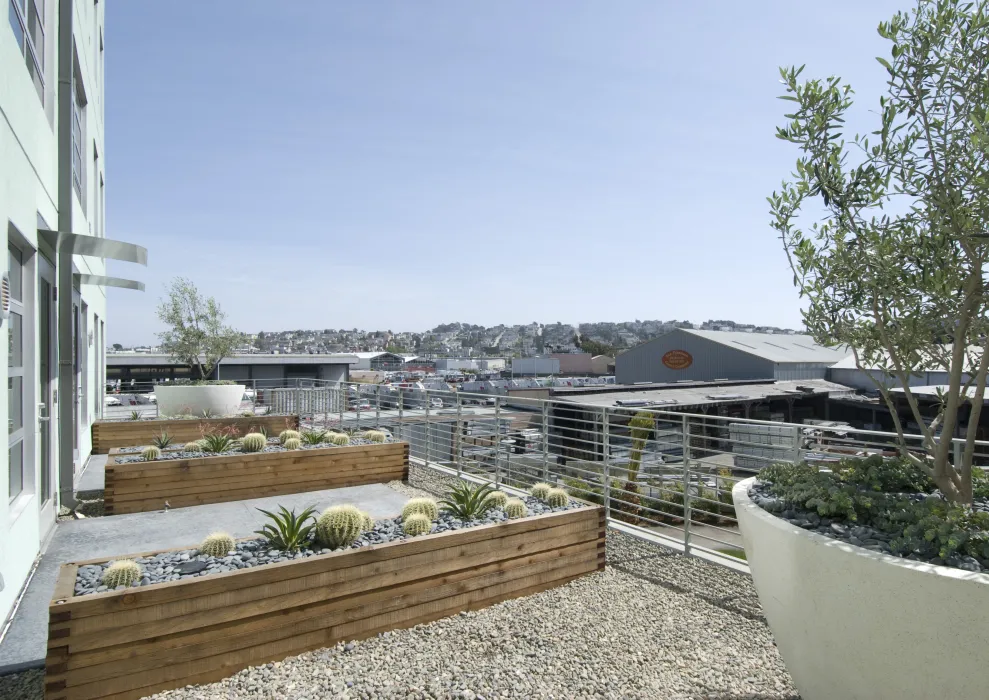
x: 398, y: 164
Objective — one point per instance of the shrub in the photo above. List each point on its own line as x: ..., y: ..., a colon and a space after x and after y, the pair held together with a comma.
x: 121, y: 573
x: 314, y: 437
x: 416, y: 524
x: 286, y: 530
x: 540, y: 490
x: 375, y: 436
x: 515, y: 508
x: 289, y: 435
x: 150, y: 454
x: 194, y: 446
x: 339, y: 526
x: 425, y: 506
x: 340, y: 439
x: 253, y: 442
x: 497, y: 499
x: 557, y: 498
x: 217, y: 545
x: 466, y: 502
x: 162, y: 440
x: 292, y: 444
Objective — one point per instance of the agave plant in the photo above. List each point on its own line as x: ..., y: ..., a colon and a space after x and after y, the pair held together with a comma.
x: 207, y: 413
x: 288, y: 531
x: 314, y: 437
x: 162, y: 441
x: 215, y: 443
x: 467, y: 502
x: 135, y: 415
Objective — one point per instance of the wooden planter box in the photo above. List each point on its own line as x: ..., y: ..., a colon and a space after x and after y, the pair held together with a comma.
x: 108, y: 434
x: 140, y: 641
x: 137, y: 487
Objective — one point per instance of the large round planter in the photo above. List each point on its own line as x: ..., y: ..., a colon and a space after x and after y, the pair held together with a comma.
x: 218, y: 399
x: 852, y: 623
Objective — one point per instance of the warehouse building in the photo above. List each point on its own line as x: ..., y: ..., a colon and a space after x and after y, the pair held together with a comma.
x: 696, y: 355
x: 145, y: 368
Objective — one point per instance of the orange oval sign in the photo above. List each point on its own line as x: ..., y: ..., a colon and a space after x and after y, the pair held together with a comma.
x: 678, y: 359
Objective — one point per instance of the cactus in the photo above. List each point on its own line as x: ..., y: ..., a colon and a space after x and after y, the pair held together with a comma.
x: 339, y: 526
x: 416, y: 524
x: 217, y: 545
x: 288, y: 435
x: 340, y: 439
x: 540, y: 490
x: 515, y: 508
x: 557, y: 498
x: 423, y: 506
x: 253, y: 442
x: 375, y: 436
x: 368, y: 524
x: 193, y: 446
x: 150, y: 454
x: 121, y: 573
x: 292, y: 444
x: 497, y: 499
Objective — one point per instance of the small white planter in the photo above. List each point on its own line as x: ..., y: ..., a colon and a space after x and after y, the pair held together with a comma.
x: 852, y: 623
x: 218, y: 399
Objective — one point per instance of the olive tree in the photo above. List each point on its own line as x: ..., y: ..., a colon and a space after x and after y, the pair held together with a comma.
x: 196, y: 334
x: 886, y: 233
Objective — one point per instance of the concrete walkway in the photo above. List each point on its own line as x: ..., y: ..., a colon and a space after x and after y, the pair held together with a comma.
x: 76, y: 540
x: 92, y: 476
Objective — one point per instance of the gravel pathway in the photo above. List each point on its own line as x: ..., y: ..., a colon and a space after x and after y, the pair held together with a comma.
x: 643, y: 628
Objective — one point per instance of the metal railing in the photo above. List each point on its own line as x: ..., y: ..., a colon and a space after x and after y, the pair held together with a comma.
x: 671, y: 479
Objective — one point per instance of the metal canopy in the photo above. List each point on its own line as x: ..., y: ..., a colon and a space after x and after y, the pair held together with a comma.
x: 104, y: 281
x: 93, y: 246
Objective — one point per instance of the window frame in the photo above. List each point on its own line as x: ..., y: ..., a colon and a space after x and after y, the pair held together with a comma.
x: 21, y: 11
x: 16, y: 439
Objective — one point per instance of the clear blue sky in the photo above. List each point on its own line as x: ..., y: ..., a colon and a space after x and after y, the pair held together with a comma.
x: 394, y: 165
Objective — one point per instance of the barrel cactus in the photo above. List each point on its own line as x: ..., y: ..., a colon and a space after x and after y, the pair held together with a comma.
x: 292, y: 444
x: 368, y: 524
x: 423, y: 506
x: 193, y: 446
x: 540, y: 490
x: 150, y: 454
x: 497, y: 499
x: 288, y: 435
x: 416, y: 524
x: 253, y: 442
x: 217, y: 545
x: 340, y: 439
x: 121, y: 573
x: 557, y: 498
x: 339, y: 526
x: 375, y: 436
x: 515, y: 508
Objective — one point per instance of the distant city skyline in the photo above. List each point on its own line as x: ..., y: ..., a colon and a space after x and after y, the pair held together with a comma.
x: 395, y: 165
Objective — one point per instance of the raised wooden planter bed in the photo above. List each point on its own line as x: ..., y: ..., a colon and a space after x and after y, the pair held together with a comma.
x: 140, y: 641
x: 137, y: 487
x: 108, y: 434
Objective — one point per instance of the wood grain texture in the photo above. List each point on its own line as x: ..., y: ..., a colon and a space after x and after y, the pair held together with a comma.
x: 129, y: 644
x: 131, y: 433
x: 138, y: 487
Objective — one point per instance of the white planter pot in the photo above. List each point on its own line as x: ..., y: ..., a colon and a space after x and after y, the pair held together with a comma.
x: 218, y: 399
x: 852, y: 623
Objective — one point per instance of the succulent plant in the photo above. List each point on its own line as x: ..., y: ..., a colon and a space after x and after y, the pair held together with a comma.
x: 217, y: 545
x: 424, y: 506
x: 339, y: 526
x: 121, y: 573
x: 287, y: 531
x: 162, y: 440
x: 216, y: 443
x: 339, y: 439
x: 557, y: 498
x: 288, y: 435
x: 150, y: 454
x: 467, y: 501
x: 368, y: 523
x: 193, y: 446
x: 540, y: 490
x: 416, y: 524
x: 253, y: 442
x: 497, y: 499
x: 314, y: 437
x: 375, y: 436
x: 292, y: 444
x: 515, y: 508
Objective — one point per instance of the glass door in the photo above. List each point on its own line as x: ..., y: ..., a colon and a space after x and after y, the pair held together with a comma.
x: 46, y: 384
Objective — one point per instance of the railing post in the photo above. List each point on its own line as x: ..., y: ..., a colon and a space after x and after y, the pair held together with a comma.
x: 426, y: 394
x: 606, y: 466
x: 956, y: 453
x: 342, y: 401
x: 377, y: 405
x: 497, y: 474
x: 401, y: 413
x: 545, y: 440
x: 457, y: 446
x: 686, y: 485
x: 298, y: 405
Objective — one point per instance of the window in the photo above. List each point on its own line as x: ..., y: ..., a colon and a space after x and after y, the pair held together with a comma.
x: 78, y: 122
x: 15, y: 374
x: 27, y: 20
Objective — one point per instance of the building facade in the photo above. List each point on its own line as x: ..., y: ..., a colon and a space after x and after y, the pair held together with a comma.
x: 146, y: 369
x: 52, y: 195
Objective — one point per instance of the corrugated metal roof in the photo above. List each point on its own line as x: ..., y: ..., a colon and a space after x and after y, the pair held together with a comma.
x: 773, y: 347
x: 848, y: 362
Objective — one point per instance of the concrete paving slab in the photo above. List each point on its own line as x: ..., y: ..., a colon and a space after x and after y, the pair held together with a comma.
x: 75, y: 540
x: 91, y: 478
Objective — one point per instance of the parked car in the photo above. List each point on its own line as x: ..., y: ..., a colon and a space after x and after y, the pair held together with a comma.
x: 436, y: 403
x: 111, y: 401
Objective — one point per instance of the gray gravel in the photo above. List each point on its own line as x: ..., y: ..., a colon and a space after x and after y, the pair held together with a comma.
x: 273, y: 446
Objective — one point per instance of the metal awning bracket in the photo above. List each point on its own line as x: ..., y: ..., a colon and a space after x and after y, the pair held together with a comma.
x: 94, y: 246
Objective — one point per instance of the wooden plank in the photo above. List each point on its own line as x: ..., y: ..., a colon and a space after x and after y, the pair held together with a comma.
x: 110, y: 434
